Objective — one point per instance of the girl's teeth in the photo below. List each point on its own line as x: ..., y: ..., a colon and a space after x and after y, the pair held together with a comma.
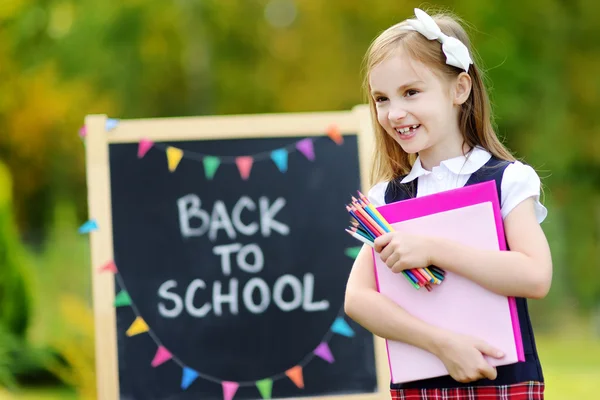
x: 408, y: 129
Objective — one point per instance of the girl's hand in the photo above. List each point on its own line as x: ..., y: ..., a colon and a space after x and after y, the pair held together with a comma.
x: 464, y: 359
x: 400, y: 251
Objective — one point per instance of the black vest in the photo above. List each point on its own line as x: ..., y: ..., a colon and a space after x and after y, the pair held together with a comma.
x: 530, y: 369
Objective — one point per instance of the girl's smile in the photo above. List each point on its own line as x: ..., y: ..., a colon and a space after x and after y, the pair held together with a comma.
x: 407, y: 132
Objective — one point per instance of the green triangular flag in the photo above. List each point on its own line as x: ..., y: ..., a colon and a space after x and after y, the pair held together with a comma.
x: 122, y: 299
x: 352, y: 252
x: 211, y: 163
x: 264, y: 387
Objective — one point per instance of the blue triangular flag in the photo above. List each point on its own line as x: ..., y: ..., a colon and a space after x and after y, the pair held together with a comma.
x: 189, y: 376
x: 89, y: 226
x: 341, y: 327
x: 280, y: 157
x: 111, y: 124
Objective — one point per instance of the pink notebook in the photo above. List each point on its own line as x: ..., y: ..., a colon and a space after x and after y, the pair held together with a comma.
x: 470, y: 215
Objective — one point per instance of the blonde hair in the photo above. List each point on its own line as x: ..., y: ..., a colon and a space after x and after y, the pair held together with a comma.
x: 475, y: 118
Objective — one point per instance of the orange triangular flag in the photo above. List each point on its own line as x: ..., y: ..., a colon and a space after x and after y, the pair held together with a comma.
x: 295, y: 375
x: 334, y: 133
x: 138, y: 326
x: 174, y: 155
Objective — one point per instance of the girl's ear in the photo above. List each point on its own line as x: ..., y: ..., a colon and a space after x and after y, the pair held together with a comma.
x: 462, y: 89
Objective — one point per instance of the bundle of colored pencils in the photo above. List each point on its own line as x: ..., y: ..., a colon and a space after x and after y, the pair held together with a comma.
x: 368, y: 224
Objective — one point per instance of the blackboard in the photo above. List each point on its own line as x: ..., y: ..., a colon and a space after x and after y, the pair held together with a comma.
x: 233, y: 284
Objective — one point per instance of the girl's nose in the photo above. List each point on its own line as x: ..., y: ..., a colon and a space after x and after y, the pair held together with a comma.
x: 397, y: 114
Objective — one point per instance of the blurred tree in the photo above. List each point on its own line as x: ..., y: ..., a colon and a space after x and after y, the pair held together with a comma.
x: 581, y: 130
x: 63, y: 59
x: 15, y: 296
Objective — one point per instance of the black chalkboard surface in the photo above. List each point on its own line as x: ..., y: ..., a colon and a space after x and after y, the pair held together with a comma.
x: 232, y: 286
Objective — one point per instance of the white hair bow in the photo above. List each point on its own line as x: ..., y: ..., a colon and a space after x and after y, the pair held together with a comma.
x: 456, y: 52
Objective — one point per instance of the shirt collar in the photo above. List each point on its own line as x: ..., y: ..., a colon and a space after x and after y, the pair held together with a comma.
x: 461, y: 165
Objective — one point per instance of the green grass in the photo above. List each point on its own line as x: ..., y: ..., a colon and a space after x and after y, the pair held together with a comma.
x: 571, y: 367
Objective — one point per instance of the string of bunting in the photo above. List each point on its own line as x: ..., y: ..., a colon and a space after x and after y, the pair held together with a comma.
x: 189, y: 374
x: 243, y: 162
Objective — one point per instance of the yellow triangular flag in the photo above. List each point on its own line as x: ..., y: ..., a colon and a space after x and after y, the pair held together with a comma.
x: 174, y: 155
x: 138, y: 326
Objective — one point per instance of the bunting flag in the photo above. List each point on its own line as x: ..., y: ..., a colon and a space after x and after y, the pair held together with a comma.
x: 352, y: 252
x: 244, y: 164
x: 89, y: 226
x: 188, y: 377
x: 122, y: 299
x: 111, y: 124
x: 211, y: 164
x: 109, y: 267
x: 229, y: 389
x: 144, y: 146
x: 324, y: 352
x: 265, y: 387
x: 174, y: 155
x: 334, y: 133
x: 341, y: 327
x: 162, y: 355
x: 280, y: 158
x: 295, y: 375
x: 138, y: 326
x: 305, y: 146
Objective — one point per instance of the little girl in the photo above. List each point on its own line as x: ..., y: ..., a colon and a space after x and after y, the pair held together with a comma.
x: 433, y: 133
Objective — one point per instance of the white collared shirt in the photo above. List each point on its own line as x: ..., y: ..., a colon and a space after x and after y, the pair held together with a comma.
x: 519, y: 181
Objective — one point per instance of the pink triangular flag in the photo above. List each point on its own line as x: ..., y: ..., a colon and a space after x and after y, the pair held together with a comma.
x: 109, y: 267
x: 229, y: 389
x: 305, y: 146
x: 144, y: 146
x: 161, y: 356
x: 244, y: 164
x: 323, y: 351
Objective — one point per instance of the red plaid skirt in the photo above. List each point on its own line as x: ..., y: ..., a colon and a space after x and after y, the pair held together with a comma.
x: 519, y: 391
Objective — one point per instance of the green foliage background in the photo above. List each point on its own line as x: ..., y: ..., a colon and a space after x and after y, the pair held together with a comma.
x: 63, y: 59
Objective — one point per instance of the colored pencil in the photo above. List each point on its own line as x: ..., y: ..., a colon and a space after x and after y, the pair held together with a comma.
x: 369, y: 209
x: 362, y: 233
x: 428, y: 275
x: 366, y: 240
x: 374, y: 226
x: 367, y: 224
x: 366, y: 200
x: 359, y: 221
x: 360, y: 237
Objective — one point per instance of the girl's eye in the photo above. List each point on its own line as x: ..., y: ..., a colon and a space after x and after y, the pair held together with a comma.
x: 411, y: 92
x: 380, y: 99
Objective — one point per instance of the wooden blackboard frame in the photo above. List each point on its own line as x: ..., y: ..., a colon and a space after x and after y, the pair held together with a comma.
x: 355, y: 121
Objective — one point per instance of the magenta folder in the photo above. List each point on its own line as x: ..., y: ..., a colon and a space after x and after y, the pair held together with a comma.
x: 469, y: 215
